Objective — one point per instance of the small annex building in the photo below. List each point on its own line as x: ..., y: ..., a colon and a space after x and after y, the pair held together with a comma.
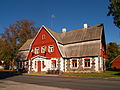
x: 116, y: 63
x: 80, y: 50
x: 21, y: 59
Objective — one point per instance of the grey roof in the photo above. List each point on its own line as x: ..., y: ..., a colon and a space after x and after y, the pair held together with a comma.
x: 23, y: 55
x: 26, y: 45
x: 24, y: 50
x: 74, y: 41
x: 79, y: 35
x: 55, y: 34
x: 81, y: 49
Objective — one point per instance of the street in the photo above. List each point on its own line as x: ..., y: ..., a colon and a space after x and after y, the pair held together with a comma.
x: 26, y: 82
x: 11, y: 85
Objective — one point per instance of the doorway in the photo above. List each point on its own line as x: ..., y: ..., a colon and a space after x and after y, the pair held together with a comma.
x: 39, y: 66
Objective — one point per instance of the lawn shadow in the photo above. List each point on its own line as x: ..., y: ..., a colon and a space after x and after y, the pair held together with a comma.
x: 7, y: 74
x: 117, y: 72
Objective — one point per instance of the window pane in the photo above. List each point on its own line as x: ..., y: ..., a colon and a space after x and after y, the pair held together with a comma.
x: 51, y: 48
x: 74, y: 63
x: 87, y: 62
x: 43, y: 36
x: 54, y: 63
x: 36, y: 51
x: 43, y: 49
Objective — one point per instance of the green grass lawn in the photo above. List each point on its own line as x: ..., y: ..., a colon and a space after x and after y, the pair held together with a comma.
x: 104, y: 74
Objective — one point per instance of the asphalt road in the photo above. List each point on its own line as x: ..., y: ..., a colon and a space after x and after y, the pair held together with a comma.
x: 74, y: 83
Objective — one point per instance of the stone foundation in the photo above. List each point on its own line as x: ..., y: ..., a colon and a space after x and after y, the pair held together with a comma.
x: 80, y: 68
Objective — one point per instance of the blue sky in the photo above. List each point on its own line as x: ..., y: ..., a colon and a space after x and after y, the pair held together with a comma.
x: 70, y: 14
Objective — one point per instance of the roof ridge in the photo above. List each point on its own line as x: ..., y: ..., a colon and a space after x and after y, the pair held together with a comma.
x: 92, y: 32
x: 86, y: 28
x: 115, y: 59
x: 26, y: 45
x: 50, y: 29
x: 55, y: 34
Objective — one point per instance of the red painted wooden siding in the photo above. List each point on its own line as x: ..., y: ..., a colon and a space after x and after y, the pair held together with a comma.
x: 102, y: 51
x: 116, y: 63
x: 38, y: 42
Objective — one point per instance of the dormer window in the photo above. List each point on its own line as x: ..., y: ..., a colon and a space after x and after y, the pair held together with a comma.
x: 43, y: 37
x: 51, y: 48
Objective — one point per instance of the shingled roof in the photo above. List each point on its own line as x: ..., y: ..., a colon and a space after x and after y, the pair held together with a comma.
x: 79, y: 35
x: 26, y: 45
x: 74, y: 41
x: 55, y: 34
x: 24, y: 50
x: 81, y: 49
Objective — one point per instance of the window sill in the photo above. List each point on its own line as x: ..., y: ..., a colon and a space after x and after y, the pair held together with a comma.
x: 50, y: 52
x: 87, y: 67
x: 74, y: 67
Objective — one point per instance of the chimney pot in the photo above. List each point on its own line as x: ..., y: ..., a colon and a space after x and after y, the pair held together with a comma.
x: 63, y: 30
x: 85, y: 25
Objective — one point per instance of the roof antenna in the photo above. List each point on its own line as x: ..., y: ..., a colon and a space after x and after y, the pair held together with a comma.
x: 52, y: 20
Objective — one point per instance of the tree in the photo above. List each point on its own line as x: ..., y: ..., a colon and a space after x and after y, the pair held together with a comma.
x: 5, y: 52
x: 113, y: 50
x: 114, y: 10
x: 14, y: 37
x: 19, y: 32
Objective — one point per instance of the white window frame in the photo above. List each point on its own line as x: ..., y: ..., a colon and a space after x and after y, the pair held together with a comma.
x: 51, y: 48
x: 42, y: 49
x: 53, y: 65
x: 87, y: 63
x: 72, y: 63
x: 36, y: 50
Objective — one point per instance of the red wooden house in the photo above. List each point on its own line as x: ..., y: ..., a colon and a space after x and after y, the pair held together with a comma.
x: 80, y: 50
x: 116, y: 63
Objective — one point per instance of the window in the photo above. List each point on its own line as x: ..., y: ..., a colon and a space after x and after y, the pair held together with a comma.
x: 43, y: 37
x: 74, y: 63
x: 43, y: 64
x: 43, y: 49
x: 51, y: 48
x: 36, y: 51
x: 53, y: 63
x: 87, y: 62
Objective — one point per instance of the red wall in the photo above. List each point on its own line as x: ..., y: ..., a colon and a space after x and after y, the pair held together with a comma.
x: 102, y: 51
x: 38, y: 42
x: 116, y: 63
